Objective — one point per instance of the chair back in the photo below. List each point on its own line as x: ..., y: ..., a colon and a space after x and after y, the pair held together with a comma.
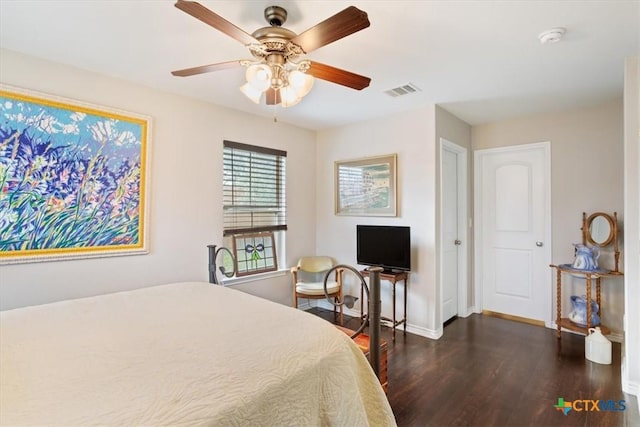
x: 315, y: 264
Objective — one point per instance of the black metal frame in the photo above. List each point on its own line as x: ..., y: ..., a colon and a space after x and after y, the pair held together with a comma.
x: 213, y: 268
x: 373, y: 316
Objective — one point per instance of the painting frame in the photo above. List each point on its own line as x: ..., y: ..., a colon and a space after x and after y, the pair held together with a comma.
x: 249, y: 243
x: 84, y: 169
x: 366, y: 186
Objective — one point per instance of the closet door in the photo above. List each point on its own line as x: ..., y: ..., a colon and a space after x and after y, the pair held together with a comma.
x: 513, y: 230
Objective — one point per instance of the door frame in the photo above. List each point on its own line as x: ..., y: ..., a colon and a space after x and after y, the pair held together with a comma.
x: 463, y: 231
x: 477, y: 197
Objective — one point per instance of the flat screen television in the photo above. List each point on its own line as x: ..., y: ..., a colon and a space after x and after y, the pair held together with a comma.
x: 385, y: 246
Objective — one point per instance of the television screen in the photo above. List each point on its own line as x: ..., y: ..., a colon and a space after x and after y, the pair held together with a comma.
x: 385, y: 246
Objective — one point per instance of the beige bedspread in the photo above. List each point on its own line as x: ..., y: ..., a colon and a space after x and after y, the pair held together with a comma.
x: 182, y: 354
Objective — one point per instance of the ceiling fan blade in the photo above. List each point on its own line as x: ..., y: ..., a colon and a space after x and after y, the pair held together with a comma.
x: 273, y: 96
x: 342, y: 24
x: 200, y: 12
x: 206, y: 68
x: 336, y: 75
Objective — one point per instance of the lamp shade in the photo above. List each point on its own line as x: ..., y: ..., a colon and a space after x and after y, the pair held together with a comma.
x: 288, y: 97
x: 300, y: 82
x: 251, y: 92
x: 259, y: 76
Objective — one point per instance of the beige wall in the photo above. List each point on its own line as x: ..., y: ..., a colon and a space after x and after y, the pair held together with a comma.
x: 411, y: 136
x: 587, y: 159
x: 458, y: 132
x: 185, y: 189
x: 414, y: 136
x: 586, y: 176
x: 631, y: 359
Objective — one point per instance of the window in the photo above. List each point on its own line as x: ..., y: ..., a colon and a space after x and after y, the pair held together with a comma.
x: 254, y: 204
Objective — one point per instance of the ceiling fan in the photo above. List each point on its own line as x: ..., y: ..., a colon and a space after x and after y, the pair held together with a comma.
x: 277, y: 70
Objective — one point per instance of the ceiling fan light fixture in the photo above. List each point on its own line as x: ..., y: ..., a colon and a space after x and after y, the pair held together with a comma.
x: 276, y: 71
x: 287, y: 79
x: 259, y: 76
x: 289, y: 97
x: 300, y: 82
x: 251, y: 92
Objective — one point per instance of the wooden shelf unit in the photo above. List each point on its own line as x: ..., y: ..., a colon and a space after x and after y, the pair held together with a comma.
x: 568, y: 324
x: 564, y: 322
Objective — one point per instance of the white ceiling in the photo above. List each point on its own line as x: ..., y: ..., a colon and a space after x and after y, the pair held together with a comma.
x: 480, y: 59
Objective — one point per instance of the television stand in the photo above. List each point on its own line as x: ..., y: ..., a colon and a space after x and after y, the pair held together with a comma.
x: 393, y: 277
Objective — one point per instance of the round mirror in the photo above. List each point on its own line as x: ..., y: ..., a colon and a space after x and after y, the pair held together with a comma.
x: 600, y: 228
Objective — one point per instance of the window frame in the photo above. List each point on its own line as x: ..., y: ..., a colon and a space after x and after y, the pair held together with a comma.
x: 251, y: 203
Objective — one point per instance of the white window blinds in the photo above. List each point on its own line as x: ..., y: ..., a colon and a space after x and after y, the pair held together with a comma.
x: 254, y: 189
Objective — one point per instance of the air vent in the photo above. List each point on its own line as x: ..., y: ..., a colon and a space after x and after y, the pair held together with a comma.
x: 407, y: 89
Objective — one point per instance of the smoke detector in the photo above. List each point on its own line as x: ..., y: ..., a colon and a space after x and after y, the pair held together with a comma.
x: 553, y: 35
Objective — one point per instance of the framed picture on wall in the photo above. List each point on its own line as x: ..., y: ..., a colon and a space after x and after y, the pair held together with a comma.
x: 254, y: 253
x: 366, y: 187
x: 73, y: 179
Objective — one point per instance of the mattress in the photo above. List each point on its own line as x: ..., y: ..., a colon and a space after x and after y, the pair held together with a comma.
x: 182, y: 354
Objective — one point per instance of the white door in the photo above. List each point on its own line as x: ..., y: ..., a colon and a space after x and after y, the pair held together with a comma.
x: 513, y: 230
x: 453, y: 230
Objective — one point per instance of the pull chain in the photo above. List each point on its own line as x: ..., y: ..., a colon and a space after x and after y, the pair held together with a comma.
x: 275, y: 113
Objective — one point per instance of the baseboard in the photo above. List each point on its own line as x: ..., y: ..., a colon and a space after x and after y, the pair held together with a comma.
x: 616, y: 337
x: 323, y: 303
x: 467, y: 313
x: 423, y: 332
x: 305, y: 305
x: 519, y: 319
x: 630, y: 387
x: 413, y: 329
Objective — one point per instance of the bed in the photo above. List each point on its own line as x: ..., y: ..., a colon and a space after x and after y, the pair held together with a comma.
x: 182, y: 354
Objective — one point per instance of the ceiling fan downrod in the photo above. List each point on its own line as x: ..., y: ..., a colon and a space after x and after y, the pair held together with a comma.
x: 275, y: 16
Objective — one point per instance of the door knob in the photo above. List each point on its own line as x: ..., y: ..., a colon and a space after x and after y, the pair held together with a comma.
x: 457, y: 242
x: 539, y: 244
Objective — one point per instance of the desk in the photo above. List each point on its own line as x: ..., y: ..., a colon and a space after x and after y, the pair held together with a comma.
x: 394, y: 278
x: 564, y: 322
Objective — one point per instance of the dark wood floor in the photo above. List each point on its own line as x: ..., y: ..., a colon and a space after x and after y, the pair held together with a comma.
x: 487, y: 371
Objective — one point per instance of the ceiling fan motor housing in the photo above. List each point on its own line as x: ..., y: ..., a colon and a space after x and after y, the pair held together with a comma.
x: 275, y: 40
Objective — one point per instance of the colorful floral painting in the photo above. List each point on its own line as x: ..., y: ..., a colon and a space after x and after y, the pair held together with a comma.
x: 72, y: 179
